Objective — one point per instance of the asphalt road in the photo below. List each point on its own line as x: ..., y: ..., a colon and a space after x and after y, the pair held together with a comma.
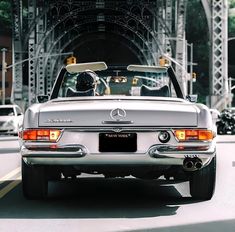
x: 97, y: 204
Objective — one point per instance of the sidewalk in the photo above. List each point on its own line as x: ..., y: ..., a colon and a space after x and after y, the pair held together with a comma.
x: 225, y: 138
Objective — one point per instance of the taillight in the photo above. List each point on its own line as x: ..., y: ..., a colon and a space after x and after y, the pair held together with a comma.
x: 192, y: 135
x: 50, y: 135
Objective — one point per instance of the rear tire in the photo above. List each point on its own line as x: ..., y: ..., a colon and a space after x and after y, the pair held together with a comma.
x: 202, y: 182
x: 34, y: 181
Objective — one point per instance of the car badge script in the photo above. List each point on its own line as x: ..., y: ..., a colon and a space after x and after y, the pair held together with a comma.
x: 118, y: 114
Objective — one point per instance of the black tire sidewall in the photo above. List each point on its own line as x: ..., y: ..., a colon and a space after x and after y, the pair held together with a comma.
x: 202, y: 182
x: 34, y: 181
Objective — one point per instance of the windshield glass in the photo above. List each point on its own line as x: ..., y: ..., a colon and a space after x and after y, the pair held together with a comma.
x: 119, y: 82
x: 6, y: 112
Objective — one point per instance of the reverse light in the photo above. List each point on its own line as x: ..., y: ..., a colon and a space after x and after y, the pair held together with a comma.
x: 164, y: 136
x: 50, y: 135
x: 194, y: 135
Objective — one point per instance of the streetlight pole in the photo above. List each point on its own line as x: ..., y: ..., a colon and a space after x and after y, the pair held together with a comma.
x: 191, y: 61
x: 231, y: 38
x: 191, y: 68
x: 230, y: 79
x: 3, y: 75
x: 43, y: 56
x: 5, y: 66
x: 230, y: 91
x: 230, y: 88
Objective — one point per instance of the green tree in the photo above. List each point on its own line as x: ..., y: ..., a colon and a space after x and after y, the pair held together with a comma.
x: 198, y: 34
x: 5, y: 15
x: 231, y: 3
x: 231, y: 26
x: 231, y: 18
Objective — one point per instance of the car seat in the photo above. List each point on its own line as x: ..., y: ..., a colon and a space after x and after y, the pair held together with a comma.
x: 151, y: 91
x: 72, y: 93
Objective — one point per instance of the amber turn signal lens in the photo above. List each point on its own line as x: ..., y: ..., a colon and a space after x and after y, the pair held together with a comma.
x: 50, y: 135
x: 194, y: 135
x: 206, y: 135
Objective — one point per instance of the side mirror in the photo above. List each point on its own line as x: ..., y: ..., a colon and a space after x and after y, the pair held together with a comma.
x: 192, y: 98
x: 42, y: 98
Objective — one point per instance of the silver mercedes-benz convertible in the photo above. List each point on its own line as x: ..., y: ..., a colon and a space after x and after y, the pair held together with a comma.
x: 117, y: 122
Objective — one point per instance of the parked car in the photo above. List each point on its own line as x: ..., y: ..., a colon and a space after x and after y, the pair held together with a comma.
x: 11, y: 119
x: 106, y: 130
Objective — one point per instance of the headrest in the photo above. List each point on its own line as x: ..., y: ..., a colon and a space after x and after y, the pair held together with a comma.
x: 148, y: 91
x: 86, y: 80
x: 73, y: 93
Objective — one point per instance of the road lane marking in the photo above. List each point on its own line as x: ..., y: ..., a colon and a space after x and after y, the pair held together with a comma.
x: 11, y: 174
x: 9, y: 187
x: 10, y: 138
x: 14, y: 182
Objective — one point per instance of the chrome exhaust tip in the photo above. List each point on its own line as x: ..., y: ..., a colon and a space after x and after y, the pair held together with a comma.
x: 192, y: 164
x: 198, y: 164
x: 188, y: 164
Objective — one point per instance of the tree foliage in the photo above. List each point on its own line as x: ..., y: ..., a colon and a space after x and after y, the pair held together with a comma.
x: 231, y: 19
x: 231, y: 26
x: 231, y: 3
x: 197, y: 32
x: 5, y: 15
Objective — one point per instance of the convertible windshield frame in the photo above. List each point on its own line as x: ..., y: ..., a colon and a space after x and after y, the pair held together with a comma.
x: 106, y: 73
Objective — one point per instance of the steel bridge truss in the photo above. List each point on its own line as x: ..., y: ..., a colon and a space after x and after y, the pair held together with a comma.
x: 144, y: 27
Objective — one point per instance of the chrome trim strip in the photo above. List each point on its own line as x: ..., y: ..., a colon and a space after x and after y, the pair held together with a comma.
x: 121, y: 159
x: 47, y: 151
x: 122, y: 128
x: 117, y: 122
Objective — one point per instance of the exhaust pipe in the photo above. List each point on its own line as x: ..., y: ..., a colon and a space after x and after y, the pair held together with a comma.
x: 188, y: 164
x: 198, y: 164
x: 192, y: 164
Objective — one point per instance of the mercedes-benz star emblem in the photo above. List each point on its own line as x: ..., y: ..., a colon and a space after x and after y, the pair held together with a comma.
x: 118, y: 114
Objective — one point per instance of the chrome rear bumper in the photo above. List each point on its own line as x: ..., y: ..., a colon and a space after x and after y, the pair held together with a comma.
x: 80, y: 158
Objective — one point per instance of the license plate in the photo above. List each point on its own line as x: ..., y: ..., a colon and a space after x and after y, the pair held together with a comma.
x: 117, y: 142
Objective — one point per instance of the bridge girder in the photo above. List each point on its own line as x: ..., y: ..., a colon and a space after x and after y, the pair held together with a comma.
x: 17, y: 81
x: 141, y: 56
x: 130, y: 43
x: 140, y: 28
x: 181, y: 45
x: 40, y: 64
x: 112, y: 5
x: 217, y: 19
x: 158, y: 20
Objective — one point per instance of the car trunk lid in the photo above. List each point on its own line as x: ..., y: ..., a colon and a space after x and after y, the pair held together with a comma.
x: 96, y: 113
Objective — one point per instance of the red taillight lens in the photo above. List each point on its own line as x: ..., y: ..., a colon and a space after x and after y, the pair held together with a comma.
x: 192, y: 135
x: 51, y: 135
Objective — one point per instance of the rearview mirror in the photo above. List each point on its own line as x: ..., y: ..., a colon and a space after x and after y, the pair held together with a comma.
x: 42, y: 98
x: 192, y: 97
